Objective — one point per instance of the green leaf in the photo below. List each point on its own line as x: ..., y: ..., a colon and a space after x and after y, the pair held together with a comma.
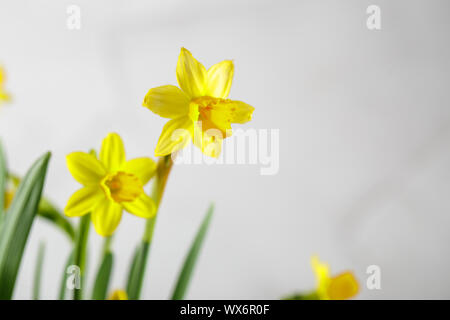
x: 80, y: 250
x: 3, y: 181
x: 189, y: 263
x: 103, y: 276
x: 49, y: 212
x: 63, y: 286
x: 137, y: 271
x: 17, y: 224
x: 132, y: 271
x: 38, y: 271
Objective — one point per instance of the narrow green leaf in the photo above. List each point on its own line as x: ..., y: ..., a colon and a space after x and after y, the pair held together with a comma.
x: 103, y: 276
x: 80, y: 250
x: 17, y: 224
x: 136, y: 273
x: 63, y: 285
x: 3, y: 181
x: 38, y: 271
x: 189, y: 263
x: 132, y: 270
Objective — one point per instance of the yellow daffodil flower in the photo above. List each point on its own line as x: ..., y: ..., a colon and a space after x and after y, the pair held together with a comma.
x: 199, y: 110
x: 118, y: 295
x: 110, y: 184
x: 341, y: 287
x: 4, y: 97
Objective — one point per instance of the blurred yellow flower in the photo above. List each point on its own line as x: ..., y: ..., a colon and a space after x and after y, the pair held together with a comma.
x: 12, y: 184
x: 110, y: 184
x: 341, y: 287
x: 199, y: 110
x: 9, y: 195
x: 118, y: 295
x: 4, y: 96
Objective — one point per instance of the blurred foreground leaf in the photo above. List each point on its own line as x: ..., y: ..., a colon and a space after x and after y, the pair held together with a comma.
x: 189, y: 263
x: 17, y: 224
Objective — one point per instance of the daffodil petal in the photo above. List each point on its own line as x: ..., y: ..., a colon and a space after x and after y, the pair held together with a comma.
x: 106, y: 217
x: 2, y: 75
x: 83, y: 201
x: 167, y: 101
x: 343, y: 286
x: 220, y: 77
x: 85, y: 168
x: 322, y: 272
x: 112, y: 153
x: 143, y: 168
x: 191, y: 74
x: 4, y: 96
x: 143, y: 206
x: 175, y: 136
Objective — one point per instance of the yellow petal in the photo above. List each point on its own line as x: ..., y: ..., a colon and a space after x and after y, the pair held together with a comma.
x: 143, y: 206
x: 83, y: 201
x: 2, y: 76
x: 167, y: 101
x: 191, y: 74
x: 106, y: 217
x: 322, y: 272
x: 343, y: 286
x: 112, y: 153
x: 220, y: 77
x: 143, y: 168
x: 175, y: 136
x: 85, y: 168
x: 118, y: 295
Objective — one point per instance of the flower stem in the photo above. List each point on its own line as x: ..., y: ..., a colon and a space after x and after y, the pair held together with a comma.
x: 138, y: 266
x: 106, y: 245
x: 162, y: 173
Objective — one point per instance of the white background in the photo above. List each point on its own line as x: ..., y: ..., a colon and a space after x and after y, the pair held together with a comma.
x: 364, y: 124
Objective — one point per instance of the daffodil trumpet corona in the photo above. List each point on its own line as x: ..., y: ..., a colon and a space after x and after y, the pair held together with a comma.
x: 110, y: 185
x: 199, y: 110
